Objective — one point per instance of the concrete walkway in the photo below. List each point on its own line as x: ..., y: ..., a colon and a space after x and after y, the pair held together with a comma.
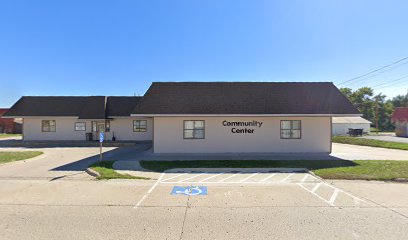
x: 355, y: 152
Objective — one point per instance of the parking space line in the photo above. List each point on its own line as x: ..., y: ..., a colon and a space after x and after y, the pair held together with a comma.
x: 316, y: 187
x: 191, y: 177
x: 149, y: 191
x: 287, y: 177
x: 334, y: 196
x: 300, y: 184
x: 174, y: 177
x: 243, y: 180
x: 222, y: 180
x: 304, y: 178
x: 213, y: 176
x: 268, y: 177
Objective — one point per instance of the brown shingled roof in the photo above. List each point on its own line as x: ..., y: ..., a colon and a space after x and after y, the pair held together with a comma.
x: 244, y: 98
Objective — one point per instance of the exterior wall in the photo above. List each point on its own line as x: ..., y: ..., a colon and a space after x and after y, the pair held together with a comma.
x: 342, y: 128
x: 123, y: 129
x: 65, y: 130
x: 168, y: 136
x: 401, y: 129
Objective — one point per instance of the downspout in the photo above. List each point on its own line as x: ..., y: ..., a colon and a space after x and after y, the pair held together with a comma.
x: 331, y: 134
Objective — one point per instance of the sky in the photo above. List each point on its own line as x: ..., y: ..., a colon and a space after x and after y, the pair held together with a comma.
x: 121, y: 47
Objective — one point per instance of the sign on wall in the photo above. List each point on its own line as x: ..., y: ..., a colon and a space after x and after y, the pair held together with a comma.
x: 242, y: 126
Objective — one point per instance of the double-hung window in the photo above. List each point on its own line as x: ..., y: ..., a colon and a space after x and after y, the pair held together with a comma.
x: 194, y: 129
x: 139, y: 125
x: 48, y: 126
x: 290, y: 129
x: 80, y: 126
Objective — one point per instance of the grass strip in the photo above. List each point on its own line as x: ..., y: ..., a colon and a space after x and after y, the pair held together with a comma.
x: 106, y: 171
x: 328, y: 169
x: 6, y: 157
x: 6, y: 135
x: 370, y: 142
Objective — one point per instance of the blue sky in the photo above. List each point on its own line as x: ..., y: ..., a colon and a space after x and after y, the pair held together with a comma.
x: 120, y: 47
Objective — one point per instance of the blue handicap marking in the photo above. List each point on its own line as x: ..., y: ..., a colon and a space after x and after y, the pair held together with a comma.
x: 101, y: 136
x: 189, y: 191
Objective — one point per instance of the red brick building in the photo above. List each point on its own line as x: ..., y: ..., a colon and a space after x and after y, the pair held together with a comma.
x: 9, y: 125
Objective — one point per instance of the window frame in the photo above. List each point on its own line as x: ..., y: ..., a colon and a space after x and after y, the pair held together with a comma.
x: 94, y: 126
x: 291, y: 129
x: 140, y: 129
x: 193, y: 129
x: 75, y: 126
x: 49, y: 125
x: 107, y: 125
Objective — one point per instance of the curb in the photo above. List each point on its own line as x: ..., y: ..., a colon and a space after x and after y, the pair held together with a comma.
x: 92, y: 172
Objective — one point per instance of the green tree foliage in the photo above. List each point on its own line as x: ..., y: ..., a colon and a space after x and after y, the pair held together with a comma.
x: 367, y: 103
x: 400, y: 101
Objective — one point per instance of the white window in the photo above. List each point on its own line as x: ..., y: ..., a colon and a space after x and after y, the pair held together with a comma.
x: 290, y: 129
x: 80, y: 126
x: 48, y: 126
x: 194, y: 129
x: 139, y: 125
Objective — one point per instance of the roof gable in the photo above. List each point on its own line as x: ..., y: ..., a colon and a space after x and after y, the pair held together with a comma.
x: 121, y: 106
x: 244, y: 98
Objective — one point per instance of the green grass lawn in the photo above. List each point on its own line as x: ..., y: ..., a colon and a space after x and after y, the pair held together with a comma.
x: 17, y: 156
x: 106, y: 171
x: 328, y: 169
x: 4, y: 135
x: 370, y: 142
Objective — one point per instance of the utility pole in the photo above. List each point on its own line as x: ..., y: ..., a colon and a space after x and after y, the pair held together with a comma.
x: 376, y: 115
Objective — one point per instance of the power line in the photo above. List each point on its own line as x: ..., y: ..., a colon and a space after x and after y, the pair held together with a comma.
x: 373, y: 71
x: 391, y: 81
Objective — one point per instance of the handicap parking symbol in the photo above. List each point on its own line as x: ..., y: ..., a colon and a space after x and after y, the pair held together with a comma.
x: 189, y: 191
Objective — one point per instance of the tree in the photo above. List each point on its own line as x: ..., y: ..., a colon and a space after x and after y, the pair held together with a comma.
x: 373, y: 106
x: 400, y: 101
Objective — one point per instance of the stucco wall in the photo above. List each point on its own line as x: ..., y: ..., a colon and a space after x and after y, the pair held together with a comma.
x: 64, y: 129
x: 342, y: 128
x: 168, y: 136
x: 123, y: 129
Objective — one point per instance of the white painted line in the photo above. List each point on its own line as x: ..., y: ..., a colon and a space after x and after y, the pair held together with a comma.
x: 149, y: 191
x: 192, y: 177
x: 304, y: 178
x: 268, y: 177
x: 334, y: 196
x: 314, y: 194
x: 287, y: 177
x: 243, y: 180
x: 222, y: 180
x: 342, y: 191
x: 262, y: 183
x: 213, y: 176
x: 174, y: 177
x: 316, y: 187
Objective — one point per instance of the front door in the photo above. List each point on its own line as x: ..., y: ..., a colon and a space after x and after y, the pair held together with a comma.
x: 101, y: 129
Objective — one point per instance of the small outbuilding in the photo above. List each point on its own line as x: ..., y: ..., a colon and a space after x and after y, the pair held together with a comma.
x: 341, y: 125
x: 400, y: 119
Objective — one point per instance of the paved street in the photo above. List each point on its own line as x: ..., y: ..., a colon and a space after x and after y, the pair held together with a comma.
x: 389, y: 138
x: 50, y: 197
x: 239, y: 205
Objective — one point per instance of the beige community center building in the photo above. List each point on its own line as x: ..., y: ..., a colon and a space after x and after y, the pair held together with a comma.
x: 195, y: 117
